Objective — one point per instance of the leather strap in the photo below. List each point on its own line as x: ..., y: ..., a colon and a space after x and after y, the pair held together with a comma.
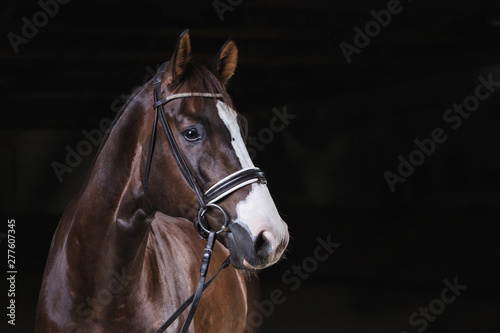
x: 234, y: 182
x: 182, y: 95
x: 179, y: 159
x: 207, y: 254
x: 150, y: 156
x: 184, y: 306
x: 195, y: 298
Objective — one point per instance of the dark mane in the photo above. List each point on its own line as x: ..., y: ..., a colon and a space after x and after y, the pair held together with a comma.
x: 136, y: 91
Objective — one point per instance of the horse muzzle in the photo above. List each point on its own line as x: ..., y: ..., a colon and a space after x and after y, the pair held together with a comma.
x: 253, y: 252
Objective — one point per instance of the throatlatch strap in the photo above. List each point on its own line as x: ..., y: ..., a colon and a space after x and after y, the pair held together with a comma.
x: 150, y: 156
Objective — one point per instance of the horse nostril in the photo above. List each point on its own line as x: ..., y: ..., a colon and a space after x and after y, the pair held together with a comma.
x: 262, y: 246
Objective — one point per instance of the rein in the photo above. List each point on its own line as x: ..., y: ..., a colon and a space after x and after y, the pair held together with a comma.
x: 206, y: 200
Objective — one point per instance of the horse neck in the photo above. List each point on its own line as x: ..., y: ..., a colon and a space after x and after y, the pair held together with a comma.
x: 111, y: 214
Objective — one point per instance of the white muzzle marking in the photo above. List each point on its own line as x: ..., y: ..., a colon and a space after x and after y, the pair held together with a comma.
x: 258, y: 211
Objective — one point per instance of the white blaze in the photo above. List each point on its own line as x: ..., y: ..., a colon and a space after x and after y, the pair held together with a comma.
x: 258, y: 211
x: 229, y: 117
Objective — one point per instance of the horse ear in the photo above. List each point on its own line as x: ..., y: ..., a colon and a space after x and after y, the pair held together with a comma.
x: 181, y: 56
x: 224, y: 63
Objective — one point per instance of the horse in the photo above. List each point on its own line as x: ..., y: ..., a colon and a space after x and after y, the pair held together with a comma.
x: 125, y: 254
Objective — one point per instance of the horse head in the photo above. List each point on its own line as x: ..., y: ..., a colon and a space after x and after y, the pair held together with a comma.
x: 210, y: 135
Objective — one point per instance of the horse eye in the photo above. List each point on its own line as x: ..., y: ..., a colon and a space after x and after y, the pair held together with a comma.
x: 191, y: 134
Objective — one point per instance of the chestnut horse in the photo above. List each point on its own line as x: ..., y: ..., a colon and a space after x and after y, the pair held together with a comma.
x: 125, y: 254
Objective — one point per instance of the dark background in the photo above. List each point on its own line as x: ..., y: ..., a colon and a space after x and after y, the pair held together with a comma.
x: 326, y: 169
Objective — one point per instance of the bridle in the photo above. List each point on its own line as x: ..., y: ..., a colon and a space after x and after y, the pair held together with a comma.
x: 218, y: 191
x: 206, y: 200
